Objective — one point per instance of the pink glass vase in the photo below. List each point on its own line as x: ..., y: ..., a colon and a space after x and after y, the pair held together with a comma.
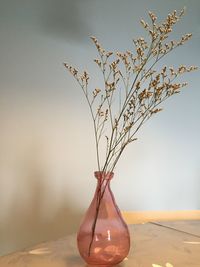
x: 103, y: 237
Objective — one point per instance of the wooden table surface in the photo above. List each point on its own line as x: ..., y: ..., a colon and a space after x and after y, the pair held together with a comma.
x: 153, y: 244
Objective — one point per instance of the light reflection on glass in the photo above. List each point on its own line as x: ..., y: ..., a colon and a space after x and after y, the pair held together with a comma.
x: 108, y: 234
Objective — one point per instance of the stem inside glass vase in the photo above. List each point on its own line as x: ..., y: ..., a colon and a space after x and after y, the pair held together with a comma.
x: 103, y: 181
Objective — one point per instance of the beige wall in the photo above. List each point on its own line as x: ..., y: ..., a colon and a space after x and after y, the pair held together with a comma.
x: 47, y: 155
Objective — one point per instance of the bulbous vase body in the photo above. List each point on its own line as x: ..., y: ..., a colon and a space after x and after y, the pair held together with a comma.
x: 103, y: 237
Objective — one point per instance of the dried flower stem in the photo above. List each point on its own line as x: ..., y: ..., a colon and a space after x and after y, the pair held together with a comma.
x: 132, y: 78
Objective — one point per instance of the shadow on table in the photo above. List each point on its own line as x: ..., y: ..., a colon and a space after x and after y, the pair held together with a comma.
x: 75, y: 260
x: 118, y: 265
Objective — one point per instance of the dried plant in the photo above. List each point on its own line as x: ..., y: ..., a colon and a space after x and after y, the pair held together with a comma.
x: 132, y: 88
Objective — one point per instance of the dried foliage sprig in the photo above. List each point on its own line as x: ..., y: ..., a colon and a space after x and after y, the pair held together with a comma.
x: 133, y: 88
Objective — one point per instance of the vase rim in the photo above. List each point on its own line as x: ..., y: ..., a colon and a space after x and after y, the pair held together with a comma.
x: 104, y: 175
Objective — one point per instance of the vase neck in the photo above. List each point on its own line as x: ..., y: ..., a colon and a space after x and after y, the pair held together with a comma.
x: 103, y: 182
x: 101, y: 175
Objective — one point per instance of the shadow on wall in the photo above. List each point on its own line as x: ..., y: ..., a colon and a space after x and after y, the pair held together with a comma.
x: 66, y: 19
x: 25, y: 224
x: 197, y: 191
x: 63, y: 19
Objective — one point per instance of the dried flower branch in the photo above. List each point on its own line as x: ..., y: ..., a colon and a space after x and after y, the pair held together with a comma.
x: 132, y: 78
